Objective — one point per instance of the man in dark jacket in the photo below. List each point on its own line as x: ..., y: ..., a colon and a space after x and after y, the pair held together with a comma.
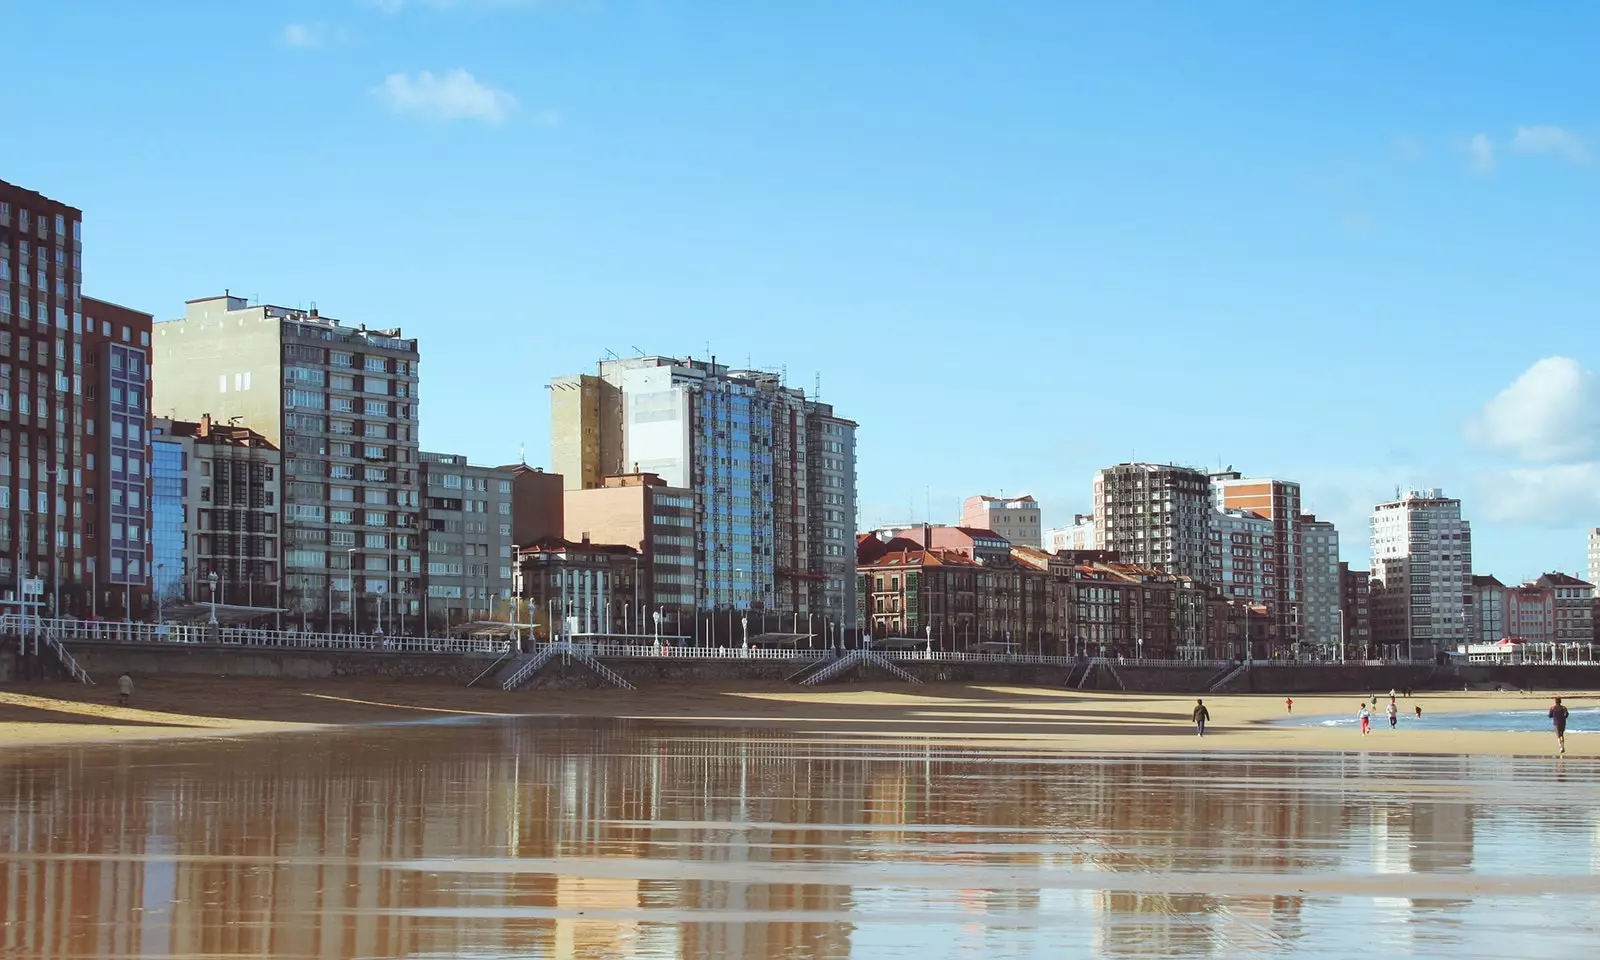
x: 1558, y: 716
x: 1201, y: 715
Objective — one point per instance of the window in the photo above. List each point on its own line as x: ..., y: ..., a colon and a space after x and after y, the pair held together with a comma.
x: 376, y: 541
x: 376, y: 408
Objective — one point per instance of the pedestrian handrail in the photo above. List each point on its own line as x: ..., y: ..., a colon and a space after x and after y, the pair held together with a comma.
x: 74, y: 669
x: 491, y: 667
x: 835, y: 668
x: 602, y: 671
x: 533, y: 665
x: 884, y: 663
x: 108, y: 631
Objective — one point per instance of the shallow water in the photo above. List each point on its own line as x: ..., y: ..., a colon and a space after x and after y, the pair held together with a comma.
x: 599, y: 840
x: 1580, y: 721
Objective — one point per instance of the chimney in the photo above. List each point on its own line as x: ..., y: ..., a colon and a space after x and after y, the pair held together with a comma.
x: 927, y: 536
x: 205, y: 425
x: 586, y: 537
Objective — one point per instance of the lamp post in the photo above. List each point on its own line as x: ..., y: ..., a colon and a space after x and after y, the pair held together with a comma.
x: 657, y: 617
x: 211, y: 578
x: 355, y: 622
x: 744, y: 621
x: 159, y: 598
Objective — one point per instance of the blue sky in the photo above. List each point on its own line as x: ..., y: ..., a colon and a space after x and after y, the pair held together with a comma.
x: 1017, y: 241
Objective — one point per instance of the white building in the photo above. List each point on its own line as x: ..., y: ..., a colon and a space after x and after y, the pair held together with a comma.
x: 1421, y: 569
x: 1155, y: 515
x: 1319, y: 616
x: 1082, y: 535
x: 1593, y: 575
x: 1241, y: 554
x: 1016, y: 519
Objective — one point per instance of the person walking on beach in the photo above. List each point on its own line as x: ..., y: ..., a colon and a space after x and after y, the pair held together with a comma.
x: 1366, y: 719
x: 1200, y: 715
x: 124, y: 689
x: 1419, y: 711
x: 1288, y: 703
x: 1394, y: 715
x: 1558, y: 716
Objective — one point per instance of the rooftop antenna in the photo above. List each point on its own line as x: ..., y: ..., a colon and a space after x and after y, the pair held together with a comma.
x: 638, y: 351
x: 611, y: 355
x: 816, y: 389
x: 522, y: 453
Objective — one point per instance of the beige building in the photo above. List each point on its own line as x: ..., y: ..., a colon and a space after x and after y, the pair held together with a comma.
x: 640, y: 510
x: 340, y: 402
x: 1016, y: 518
x: 1278, y: 501
x: 586, y: 444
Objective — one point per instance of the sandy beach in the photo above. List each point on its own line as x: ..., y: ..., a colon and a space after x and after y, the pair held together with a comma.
x: 1000, y: 718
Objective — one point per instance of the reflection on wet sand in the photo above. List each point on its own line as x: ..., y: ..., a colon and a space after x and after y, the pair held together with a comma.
x: 586, y: 839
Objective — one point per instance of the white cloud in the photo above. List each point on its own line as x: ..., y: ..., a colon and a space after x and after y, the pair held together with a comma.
x: 1551, y: 141
x: 1481, y: 149
x: 1564, y: 495
x: 1550, y: 414
x: 304, y: 35
x: 455, y: 95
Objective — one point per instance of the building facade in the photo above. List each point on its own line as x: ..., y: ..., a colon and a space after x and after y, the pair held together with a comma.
x: 1571, y: 607
x: 772, y: 472
x: 468, y: 547
x: 579, y: 587
x: 218, y: 512
x: 47, y: 512
x: 340, y: 402
x: 1485, y: 610
x: 1279, y: 502
x: 641, y: 511
x: 1319, y: 609
x: 1015, y: 518
x: 116, y: 401
x: 1355, y: 613
x: 536, y: 505
x: 1421, y: 566
x: 1156, y: 516
x: 1593, y: 574
x: 1241, y: 555
x: 1081, y: 535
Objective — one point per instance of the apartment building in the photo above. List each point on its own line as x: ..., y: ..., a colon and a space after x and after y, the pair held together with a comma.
x: 1593, y: 573
x: 116, y: 410
x: 1155, y: 515
x: 340, y: 402
x: 1279, y: 502
x: 215, y: 508
x: 1355, y: 612
x: 61, y: 403
x: 1485, y: 610
x: 537, y: 513
x: 1241, y: 555
x: 772, y: 472
x: 906, y: 589
x: 1421, y: 566
x: 1081, y: 535
x: 1015, y: 518
x: 1319, y: 608
x: 1571, y: 607
x: 641, y: 511
x: 468, y: 547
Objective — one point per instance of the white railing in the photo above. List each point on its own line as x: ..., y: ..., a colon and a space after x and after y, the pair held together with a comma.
x: 103, y: 631
x: 75, y: 670
x: 532, y: 666
x: 632, y: 651
x: 835, y: 668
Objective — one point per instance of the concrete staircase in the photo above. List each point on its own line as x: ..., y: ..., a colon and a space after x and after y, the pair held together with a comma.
x: 1228, y: 677
x: 854, y: 660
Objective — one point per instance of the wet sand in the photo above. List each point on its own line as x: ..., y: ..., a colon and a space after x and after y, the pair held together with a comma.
x: 648, y: 840
x: 1012, y: 719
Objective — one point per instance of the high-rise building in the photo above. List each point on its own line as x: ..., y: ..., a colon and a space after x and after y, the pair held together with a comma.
x: 1319, y: 610
x: 1241, y: 554
x: 1355, y: 612
x: 340, y: 402
x: 773, y: 474
x: 1081, y: 535
x: 61, y: 401
x: 1015, y: 518
x: 1485, y: 610
x: 1421, y: 566
x: 1571, y: 607
x: 641, y: 511
x: 1593, y: 575
x: 468, y: 550
x: 215, y: 502
x: 1278, y: 501
x: 1155, y: 515
x: 116, y: 411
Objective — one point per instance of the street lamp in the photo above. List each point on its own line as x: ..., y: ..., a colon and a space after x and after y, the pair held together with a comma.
x: 211, y: 578
x: 159, y: 605
x: 657, y: 616
x: 355, y: 623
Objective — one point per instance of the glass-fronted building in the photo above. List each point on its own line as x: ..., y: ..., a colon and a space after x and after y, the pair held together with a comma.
x: 168, y: 509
